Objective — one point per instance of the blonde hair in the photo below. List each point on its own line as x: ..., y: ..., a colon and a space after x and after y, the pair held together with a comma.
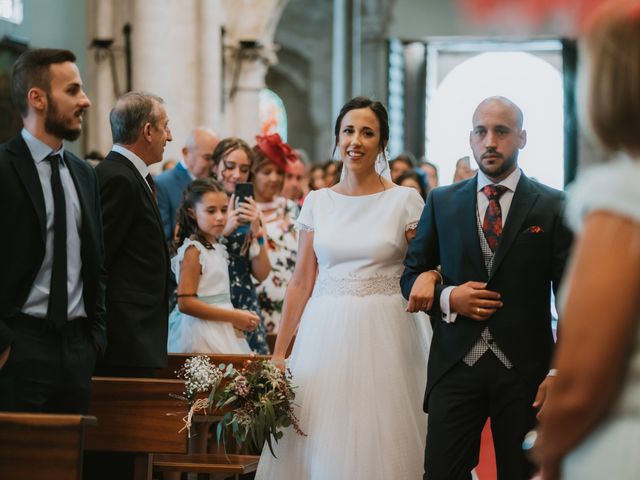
x: 614, y: 90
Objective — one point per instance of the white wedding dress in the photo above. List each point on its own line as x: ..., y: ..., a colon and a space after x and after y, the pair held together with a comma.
x: 359, y: 360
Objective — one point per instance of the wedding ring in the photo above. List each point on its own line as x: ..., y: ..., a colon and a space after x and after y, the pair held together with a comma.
x: 477, y: 310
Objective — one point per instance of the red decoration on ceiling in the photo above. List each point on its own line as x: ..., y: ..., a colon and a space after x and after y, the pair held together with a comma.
x: 535, y: 12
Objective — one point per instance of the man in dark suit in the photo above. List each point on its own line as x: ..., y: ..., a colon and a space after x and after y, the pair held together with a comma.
x: 197, y: 160
x: 136, y: 257
x: 51, y: 292
x: 500, y: 240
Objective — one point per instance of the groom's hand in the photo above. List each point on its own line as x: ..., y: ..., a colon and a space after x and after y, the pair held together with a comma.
x: 422, y: 292
x: 473, y: 301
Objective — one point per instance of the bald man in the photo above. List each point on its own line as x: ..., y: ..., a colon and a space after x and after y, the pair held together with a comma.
x: 500, y: 240
x: 197, y: 156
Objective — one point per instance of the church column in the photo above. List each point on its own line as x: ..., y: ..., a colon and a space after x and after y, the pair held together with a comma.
x: 339, y: 54
x: 211, y: 61
x: 99, y: 84
x: 376, y: 15
x: 249, y: 51
x: 165, y: 62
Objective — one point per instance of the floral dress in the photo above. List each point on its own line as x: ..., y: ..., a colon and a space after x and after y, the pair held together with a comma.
x: 243, y: 292
x: 282, y: 243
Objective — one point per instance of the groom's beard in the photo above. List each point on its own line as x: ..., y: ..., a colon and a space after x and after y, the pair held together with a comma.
x: 498, y: 170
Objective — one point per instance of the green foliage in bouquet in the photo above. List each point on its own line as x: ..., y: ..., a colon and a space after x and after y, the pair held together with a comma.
x: 256, y: 402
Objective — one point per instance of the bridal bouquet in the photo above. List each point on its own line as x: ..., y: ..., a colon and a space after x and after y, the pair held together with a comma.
x: 255, y: 402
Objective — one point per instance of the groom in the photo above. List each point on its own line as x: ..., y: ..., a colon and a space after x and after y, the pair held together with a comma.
x: 500, y: 240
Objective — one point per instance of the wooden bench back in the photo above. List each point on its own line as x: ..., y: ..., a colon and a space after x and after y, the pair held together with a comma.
x: 176, y: 360
x: 137, y: 415
x: 42, y: 446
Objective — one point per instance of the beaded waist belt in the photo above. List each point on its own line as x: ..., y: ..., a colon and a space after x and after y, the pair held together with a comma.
x: 356, y: 286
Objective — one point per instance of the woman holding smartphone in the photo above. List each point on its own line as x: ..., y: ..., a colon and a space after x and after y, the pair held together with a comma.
x: 271, y: 157
x: 244, y: 232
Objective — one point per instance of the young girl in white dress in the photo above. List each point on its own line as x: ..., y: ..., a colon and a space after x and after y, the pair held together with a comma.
x: 359, y: 359
x: 204, y: 320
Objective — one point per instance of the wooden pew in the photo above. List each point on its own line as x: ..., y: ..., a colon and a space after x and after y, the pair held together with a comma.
x: 217, y: 464
x: 138, y: 415
x: 42, y: 446
x: 271, y: 341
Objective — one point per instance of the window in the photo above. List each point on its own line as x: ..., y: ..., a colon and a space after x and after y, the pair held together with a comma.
x: 273, y: 116
x: 460, y: 76
x: 11, y: 10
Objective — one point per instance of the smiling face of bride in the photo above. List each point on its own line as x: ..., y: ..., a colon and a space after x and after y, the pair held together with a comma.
x: 359, y: 140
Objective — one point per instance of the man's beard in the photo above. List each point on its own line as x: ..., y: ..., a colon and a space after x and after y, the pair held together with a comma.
x: 505, y: 167
x: 55, y: 125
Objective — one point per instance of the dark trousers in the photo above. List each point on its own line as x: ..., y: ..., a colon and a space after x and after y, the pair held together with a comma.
x: 459, y: 405
x: 49, y: 370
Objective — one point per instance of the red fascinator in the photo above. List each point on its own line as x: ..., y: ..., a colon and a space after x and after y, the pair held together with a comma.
x: 276, y: 150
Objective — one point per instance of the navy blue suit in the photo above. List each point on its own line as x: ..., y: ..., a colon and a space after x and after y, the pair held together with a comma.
x: 527, y: 262
x: 170, y: 187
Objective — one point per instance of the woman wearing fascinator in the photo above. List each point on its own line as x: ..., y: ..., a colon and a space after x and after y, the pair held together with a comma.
x: 359, y: 359
x: 271, y: 157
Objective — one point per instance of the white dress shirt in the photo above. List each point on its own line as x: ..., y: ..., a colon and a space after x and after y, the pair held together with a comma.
x: 141, y: 167
x: 38, y: 299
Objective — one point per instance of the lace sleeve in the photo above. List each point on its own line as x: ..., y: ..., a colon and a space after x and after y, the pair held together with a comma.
x: 304, y: 222
x: 302, y: 227
x: 411, y: 226
x: 413, y: 209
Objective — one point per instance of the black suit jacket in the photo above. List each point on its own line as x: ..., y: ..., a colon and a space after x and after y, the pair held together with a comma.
x: 137, y: 264
x: 526, y: 265
x: 22, y: 242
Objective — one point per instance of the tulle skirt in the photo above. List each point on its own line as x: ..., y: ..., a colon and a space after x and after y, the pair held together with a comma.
x: 360, y: 364
x: 189, y: 334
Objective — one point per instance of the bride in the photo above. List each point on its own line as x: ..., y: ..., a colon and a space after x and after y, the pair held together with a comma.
x: 359, y: 359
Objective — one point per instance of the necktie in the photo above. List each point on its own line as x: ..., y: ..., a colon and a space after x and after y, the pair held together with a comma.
x: 151, y: 183
x: 492, y: 224
x: 57, y: 311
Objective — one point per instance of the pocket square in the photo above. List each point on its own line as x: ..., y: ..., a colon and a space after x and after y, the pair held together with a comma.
x: 534, y: 229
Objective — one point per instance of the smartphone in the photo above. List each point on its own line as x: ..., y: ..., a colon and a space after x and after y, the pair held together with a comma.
x: 243, y: 191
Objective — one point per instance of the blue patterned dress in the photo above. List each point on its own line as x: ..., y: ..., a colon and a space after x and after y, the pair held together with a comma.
x: 243, y: 292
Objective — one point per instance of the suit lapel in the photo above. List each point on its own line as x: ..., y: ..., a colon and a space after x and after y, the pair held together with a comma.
x: 467, y: 201
x: 28, y: 173
x: 115, y: 156
x: 81, y: 182
x: 523, y: 199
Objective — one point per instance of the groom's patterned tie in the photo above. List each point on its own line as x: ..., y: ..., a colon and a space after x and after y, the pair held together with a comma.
x: 491, y: 227
x: 492, y: 224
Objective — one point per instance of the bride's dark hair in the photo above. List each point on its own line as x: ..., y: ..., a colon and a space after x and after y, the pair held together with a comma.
x: 375, y: 106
